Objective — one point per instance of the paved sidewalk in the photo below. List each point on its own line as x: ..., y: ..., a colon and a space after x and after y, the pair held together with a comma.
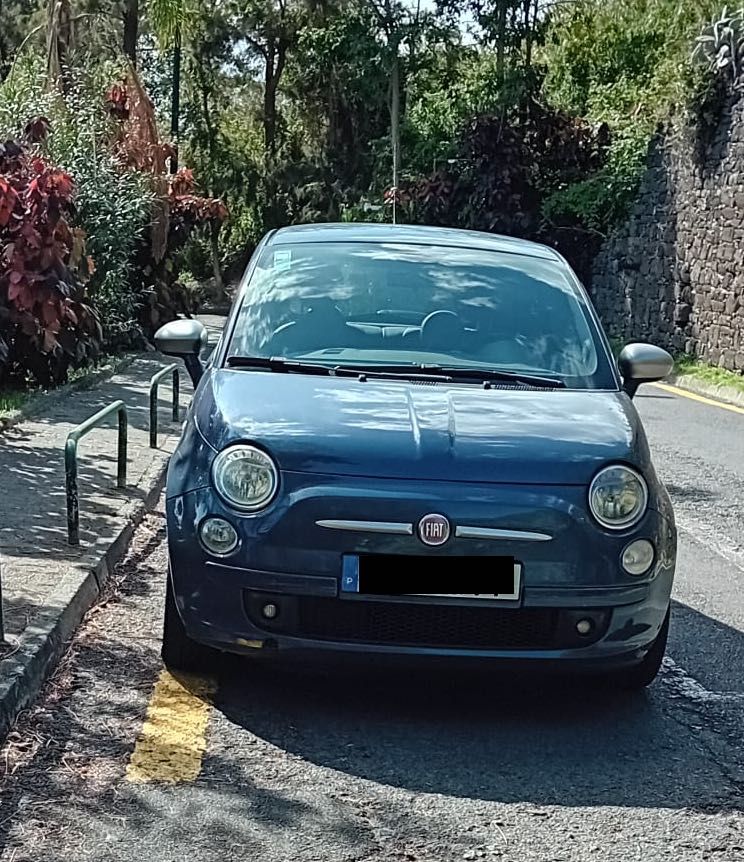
x: 34, y: 553
x: 41, y: 574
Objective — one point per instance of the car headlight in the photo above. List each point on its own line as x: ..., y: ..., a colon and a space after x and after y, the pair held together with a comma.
x: 618, y: 497
x: 245, y: 477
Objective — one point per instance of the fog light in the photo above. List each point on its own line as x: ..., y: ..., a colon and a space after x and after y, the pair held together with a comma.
x: 638, y: 557
x: 584, y: 627
x: 218, y: 536
x: 270, y: 611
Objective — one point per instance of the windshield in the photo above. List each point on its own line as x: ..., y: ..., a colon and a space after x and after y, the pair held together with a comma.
x: 378, y: 304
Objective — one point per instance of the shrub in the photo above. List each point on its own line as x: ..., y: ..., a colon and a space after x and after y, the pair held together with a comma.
x: 112, y: 203
x: 505, y: 168
x: 176, y: 209
x: 46, y: 323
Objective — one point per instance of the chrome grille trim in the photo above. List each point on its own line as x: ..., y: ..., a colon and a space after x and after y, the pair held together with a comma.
x: 390, y: 527
x: 464, y: 532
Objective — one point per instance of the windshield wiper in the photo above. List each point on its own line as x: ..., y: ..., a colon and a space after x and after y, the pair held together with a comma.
x: 494, y: 374
x: 438, y: 373
x: 278, y: 363
x: 459, y: 372
x: 299, y: 366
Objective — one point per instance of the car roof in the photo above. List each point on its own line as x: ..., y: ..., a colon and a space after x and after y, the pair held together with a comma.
x: 412, y: 234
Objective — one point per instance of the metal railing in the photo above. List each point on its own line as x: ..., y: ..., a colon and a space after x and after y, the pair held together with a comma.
x: 154, y: 384
x: 73, y: 511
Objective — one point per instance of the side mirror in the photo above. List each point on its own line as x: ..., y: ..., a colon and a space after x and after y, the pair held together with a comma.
x: 642, y: 363
x: 187, y: 339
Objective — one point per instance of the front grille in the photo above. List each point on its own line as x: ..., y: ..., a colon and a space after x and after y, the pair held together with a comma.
x: 410, y: 624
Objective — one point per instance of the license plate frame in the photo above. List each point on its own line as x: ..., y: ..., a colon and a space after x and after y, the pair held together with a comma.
x: 355, y: 580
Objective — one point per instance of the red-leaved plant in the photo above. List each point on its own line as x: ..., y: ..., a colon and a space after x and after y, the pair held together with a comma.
x: 177, y: 210
x: 46, y: 325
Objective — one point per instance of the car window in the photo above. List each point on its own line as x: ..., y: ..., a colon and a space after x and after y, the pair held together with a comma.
x: 388, y: 303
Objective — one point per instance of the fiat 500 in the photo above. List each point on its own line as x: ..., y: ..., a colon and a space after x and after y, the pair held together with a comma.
x: 416, y: 441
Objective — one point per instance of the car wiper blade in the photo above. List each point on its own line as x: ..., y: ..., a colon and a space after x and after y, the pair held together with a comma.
x: 497, y: 375
x: 299, y: 366
x: 458, y: 372
x: 278, y: 363
x: 439, y: 373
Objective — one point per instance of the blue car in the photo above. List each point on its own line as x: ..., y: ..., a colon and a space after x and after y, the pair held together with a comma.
x: 415, y: 441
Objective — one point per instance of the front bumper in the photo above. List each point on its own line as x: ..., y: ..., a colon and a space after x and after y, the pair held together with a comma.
x: 543, y: 627
x: 574, y: 576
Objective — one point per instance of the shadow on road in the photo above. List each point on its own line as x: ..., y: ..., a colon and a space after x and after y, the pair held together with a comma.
x: 486, y: 736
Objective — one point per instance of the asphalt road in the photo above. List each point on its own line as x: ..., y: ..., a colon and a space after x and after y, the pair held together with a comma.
x: 121, y: 762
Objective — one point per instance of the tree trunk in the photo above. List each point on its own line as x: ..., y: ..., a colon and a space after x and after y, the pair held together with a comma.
x: 214, y: 228
x: 276, y: 55
x: 4, y: 50
x: 214, y: 235
x: 60, y: 40
x: 530, y: 24
x: 201, y: 62
x: 131, y: 29
x: 176, y: 101
x: 395, y: 121
x: 269, y: 118
x: 501, y: 42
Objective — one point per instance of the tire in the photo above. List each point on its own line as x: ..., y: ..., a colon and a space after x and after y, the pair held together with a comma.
x: 641, y: 675
x: 179, y: 651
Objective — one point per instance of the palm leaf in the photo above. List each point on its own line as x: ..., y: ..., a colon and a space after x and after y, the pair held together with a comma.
x: 169, y: 19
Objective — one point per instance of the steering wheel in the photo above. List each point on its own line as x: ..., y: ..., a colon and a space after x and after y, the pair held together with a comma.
x: 442, y: 329
x: 321, y: 326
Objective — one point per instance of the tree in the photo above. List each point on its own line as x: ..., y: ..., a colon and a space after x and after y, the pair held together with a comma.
x: 271, y: 28
x: 170, y: 21
x: 337, y: 82
x: 510, y: 27
x: 130, y: 15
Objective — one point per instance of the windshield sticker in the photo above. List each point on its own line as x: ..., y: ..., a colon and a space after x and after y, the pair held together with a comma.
x: 282, y: 259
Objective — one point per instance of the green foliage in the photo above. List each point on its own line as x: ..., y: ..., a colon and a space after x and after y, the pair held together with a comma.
x: 11, y: 400
x: 458, y: 84
x: 605, y: 197
x: 18, y: 18
x: 721, y: 45
x: 694, y: 368
x: 625, y: 63
x: 337, y: 81
x: 169, y: 19
x: 537, y: 121
x: 506, y: 165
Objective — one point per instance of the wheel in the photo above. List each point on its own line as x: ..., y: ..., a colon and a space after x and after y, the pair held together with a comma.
x: 643, y: 674
x: 179, y: 651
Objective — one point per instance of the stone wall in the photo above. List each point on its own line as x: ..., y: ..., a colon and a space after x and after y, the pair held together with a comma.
x: 674, y: 273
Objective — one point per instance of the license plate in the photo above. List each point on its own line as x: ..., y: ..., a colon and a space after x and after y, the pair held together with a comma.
x: 446, y: 577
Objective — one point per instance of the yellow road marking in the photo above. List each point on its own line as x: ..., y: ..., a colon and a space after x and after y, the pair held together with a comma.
x: 171, y: 744
x: 675, y: 390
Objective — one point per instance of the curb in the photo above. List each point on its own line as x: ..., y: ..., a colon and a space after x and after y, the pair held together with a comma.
x: 719, y: 392
x: 44, y: 642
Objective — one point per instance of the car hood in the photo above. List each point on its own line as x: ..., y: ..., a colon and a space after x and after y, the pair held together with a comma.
x: 399, y: 429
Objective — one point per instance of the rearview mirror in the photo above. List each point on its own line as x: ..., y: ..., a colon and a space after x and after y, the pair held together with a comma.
x: 642, y: 363
x: 187, y: 339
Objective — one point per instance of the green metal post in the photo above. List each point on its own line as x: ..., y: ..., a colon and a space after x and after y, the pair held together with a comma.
x: 71, y: 471
x: 176, y: 393
x: 2, y: 614
x: 154, y: 386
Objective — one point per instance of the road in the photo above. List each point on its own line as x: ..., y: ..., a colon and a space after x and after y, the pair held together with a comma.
x: 121, y: 762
